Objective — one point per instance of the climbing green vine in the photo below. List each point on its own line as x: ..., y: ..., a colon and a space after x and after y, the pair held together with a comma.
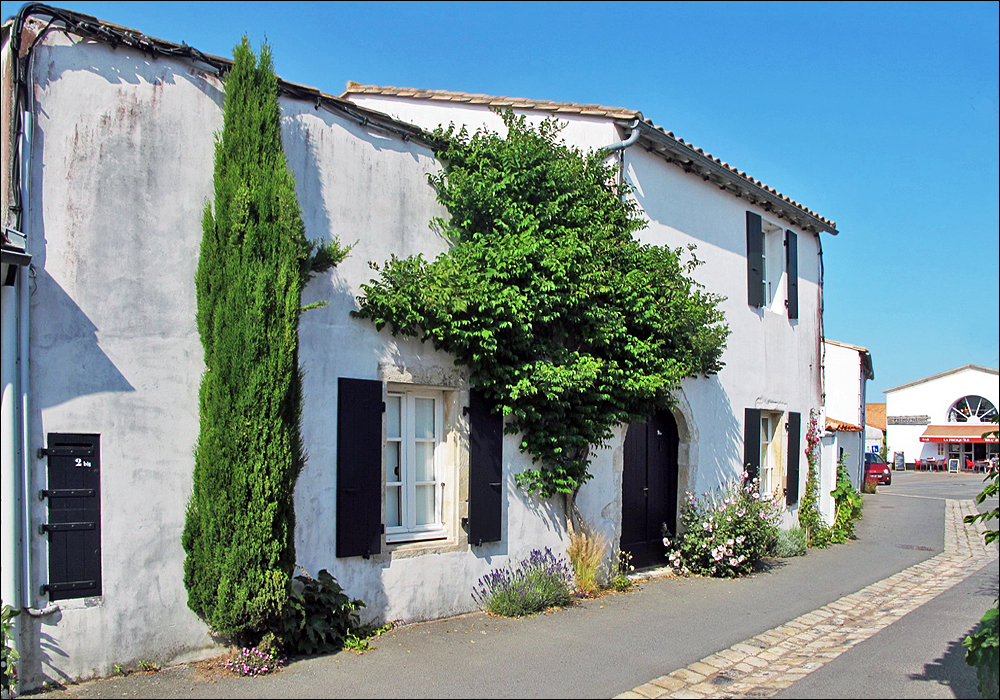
x: 563, y: 318
x: 810, y: 519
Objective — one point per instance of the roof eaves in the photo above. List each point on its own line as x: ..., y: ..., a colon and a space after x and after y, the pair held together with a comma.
x: 988, y: 370
x: 115, y: 35
x: 694, y: 160
x: 655, y: 139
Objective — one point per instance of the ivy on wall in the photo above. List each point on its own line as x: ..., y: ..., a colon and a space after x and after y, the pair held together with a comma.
x: 254, y: 262
x: 562, y: 317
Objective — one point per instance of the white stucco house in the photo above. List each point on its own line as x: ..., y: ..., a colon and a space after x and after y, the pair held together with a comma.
x: 938, y: 422
x: 848, y: 369
x: 108, y: 161
x: 874, y: 427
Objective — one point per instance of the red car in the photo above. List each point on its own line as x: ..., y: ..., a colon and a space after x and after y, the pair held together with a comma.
x: 876, y: 468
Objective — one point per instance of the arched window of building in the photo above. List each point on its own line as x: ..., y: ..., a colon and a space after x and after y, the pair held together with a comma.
x: 972, y: 409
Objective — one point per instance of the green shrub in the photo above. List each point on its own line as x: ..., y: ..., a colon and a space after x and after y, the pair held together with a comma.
x: 541, y: 581
x: 620, y: 568
x: 790, y: 543
x: 319, y: 616
x: 724, y: 534
x: 848, y: 505
x: 8, y: 654
x: 983, y: 645
x: 558, y: 311
x: 254, y: 262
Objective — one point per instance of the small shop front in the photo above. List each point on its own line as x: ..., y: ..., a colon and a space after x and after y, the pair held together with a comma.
x: 960, y: 447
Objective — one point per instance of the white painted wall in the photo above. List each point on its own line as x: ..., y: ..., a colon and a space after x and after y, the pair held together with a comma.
x: 121, y: 171
x: 844, y: 398
x: 933, y: 398
x: 772, y: 363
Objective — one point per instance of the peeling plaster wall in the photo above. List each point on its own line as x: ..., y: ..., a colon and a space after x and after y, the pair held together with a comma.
x: 122, y: 168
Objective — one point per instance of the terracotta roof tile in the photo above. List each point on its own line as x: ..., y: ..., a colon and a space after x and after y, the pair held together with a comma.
x: 589, y: 110
x: 875, y: 415
x: 834, y: 424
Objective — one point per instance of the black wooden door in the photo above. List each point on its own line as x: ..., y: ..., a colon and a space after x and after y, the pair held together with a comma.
x: 649, y: 488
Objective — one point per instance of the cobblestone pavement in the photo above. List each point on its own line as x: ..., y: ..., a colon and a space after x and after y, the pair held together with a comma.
x: 762, y: 666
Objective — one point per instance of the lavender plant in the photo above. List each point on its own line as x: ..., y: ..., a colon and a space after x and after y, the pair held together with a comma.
x: 541, y: 581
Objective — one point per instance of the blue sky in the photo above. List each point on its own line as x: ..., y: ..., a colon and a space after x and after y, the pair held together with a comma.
x: 880, y: 116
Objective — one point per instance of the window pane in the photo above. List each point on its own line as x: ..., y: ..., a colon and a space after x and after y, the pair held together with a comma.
x: 425, y: 505
x: 423, y: 421
x: 425, y: 461
x: 392, y: 518
x: 392, y: 461
x: 392, y: 406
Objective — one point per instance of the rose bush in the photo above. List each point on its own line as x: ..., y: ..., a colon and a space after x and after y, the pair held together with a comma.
x: 724, y: 534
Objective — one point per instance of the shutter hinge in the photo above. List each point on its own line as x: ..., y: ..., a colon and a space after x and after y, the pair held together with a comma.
x: 66, y: 527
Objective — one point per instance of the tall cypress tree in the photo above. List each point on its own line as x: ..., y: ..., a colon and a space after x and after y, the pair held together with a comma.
x: 254, y: 262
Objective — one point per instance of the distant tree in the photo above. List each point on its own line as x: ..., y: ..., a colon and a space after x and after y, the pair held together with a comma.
x: 254, y: 262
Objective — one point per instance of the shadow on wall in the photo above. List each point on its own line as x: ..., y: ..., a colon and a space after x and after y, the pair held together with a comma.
x: 121, y: 65
x: 67, y: 352
x: 37, y: 669
x: 713, y: 437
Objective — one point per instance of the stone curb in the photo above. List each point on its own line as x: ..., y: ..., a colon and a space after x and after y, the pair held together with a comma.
x: 766, y: 664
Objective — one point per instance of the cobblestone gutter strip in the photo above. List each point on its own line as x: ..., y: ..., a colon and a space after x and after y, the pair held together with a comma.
x: 764, y: 665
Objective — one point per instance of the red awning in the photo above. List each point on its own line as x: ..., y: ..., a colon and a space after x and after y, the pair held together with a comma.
x: 958, y: 432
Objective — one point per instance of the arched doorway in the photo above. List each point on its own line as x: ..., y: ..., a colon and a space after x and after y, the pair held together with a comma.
x: 649, y: 488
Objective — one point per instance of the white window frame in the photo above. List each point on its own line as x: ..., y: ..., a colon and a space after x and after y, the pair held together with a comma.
x: 767, y: 429
x: 406, y: 483
x: 774, y: 260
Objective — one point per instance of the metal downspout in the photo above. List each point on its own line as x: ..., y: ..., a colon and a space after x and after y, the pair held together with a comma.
x: 619, y: 148
x: 630, y: 141
x: 24, y: 343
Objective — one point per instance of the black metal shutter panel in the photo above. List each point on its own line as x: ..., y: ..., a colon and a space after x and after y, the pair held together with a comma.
x: 74, y: 515
x: 359, y: 467
x: 751, y: 442
x: 792, y: 264
x: 485, y: 471
x: 755, y: 260
x: 792, y: 475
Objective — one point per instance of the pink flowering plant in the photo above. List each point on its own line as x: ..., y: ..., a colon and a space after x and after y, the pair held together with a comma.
x: 253, y: 662
x: 726, y: 533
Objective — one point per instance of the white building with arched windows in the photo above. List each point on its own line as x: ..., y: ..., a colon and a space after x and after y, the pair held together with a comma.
x: 938, y: 422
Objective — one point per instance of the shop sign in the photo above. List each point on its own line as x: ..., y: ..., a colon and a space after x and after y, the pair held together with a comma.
x: 908, y: 420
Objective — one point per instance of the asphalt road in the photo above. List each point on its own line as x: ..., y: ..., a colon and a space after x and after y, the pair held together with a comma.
x: 604, y: 647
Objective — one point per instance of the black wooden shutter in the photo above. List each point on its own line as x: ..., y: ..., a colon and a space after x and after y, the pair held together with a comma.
x: 359, y: 467
x: 751, y: 442
x: 485, y: 470
x: 755, y: 260
x: 74, y: 515
x: 792, y: 474
x: 792, y: 264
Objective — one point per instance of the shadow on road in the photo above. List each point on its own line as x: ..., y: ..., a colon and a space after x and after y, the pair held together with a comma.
x: 950, y: 670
